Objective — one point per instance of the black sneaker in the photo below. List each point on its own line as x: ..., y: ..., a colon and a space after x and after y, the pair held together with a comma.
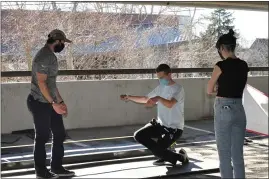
x: 172, y: 148
x: 47, y: 174
x: 174, y: 162
x: 62, y: 172
x: 184, y: 153
x: 159, y: 162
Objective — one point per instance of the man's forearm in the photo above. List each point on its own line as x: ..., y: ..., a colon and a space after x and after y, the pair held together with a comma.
x: 45, y: 91
x: 58, y: 96
x: 138, y: 99
x: 165, y: 102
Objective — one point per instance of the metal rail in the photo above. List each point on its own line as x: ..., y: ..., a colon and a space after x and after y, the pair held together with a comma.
x: 237, y: 5
x: 118, y: 71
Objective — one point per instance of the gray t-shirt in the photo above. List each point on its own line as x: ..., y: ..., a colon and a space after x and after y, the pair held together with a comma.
x: 170, y: 117
x: 45, y: 62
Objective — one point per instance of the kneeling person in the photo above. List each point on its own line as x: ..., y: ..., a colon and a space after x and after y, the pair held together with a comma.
x: 169, y: 97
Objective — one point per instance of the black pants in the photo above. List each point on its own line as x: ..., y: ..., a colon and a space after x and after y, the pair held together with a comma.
x: 46, y: 120
x: 159, y: 148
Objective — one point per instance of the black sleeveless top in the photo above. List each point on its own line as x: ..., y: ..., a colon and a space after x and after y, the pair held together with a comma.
x: 233, y: 79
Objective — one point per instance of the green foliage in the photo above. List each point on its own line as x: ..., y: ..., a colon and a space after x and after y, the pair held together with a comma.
x: 220, y: 23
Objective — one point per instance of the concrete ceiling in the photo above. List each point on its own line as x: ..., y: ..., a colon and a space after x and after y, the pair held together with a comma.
x: 240, y: 5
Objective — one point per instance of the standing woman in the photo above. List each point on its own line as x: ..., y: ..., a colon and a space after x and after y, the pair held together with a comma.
x: 230, y: 120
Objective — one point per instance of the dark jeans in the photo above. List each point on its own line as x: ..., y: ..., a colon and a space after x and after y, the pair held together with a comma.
x: 46, y: 120
x: 159, y: 148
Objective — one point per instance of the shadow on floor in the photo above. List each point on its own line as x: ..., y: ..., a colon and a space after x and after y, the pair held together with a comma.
x: 200, y: 176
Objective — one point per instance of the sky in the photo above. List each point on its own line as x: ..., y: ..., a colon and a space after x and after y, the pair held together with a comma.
x: 250, y: 24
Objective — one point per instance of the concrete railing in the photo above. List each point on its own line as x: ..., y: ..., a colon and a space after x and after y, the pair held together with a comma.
x: 97, y: 103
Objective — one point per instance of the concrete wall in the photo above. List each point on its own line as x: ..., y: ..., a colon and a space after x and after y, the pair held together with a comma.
x: 97, y: 103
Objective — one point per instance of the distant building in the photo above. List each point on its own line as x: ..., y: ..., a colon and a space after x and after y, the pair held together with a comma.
x: 147, y: 31
x: 170, y: 32
x: 257, y: 54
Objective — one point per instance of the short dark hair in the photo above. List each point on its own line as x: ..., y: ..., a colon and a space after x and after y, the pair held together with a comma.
x: 228, y: 41
x: 50, y: 40
x: 163, y: 67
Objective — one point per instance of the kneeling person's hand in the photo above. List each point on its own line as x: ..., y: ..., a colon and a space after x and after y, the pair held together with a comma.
x: 124, y: 97
x: 154, y: 99
x: 150, y: 103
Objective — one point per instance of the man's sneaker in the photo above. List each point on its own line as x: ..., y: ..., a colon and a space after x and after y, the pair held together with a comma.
x: 159, y: 162
x: 47, y: 174
x: 62, y: 172
x: 184, y: 153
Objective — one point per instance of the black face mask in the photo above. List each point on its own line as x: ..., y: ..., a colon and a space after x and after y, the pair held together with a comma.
x: 58, y: 48
x: 221, y: 56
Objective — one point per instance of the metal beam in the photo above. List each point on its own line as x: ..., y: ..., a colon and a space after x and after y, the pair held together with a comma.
x: 237, y: 5
x: 119, y: 71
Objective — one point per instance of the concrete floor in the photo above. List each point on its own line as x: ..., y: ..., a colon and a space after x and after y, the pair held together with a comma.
x: 202, y: 155
x: 196, y: 133
x: 193, y: 129
x: 142, y: 168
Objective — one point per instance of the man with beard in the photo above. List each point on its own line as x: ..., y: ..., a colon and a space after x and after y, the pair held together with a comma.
x: 47, y: 107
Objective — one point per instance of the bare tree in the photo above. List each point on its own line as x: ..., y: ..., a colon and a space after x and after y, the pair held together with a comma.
x: 75, y: 6
x: 105, y: 35
x: 54, y: 6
